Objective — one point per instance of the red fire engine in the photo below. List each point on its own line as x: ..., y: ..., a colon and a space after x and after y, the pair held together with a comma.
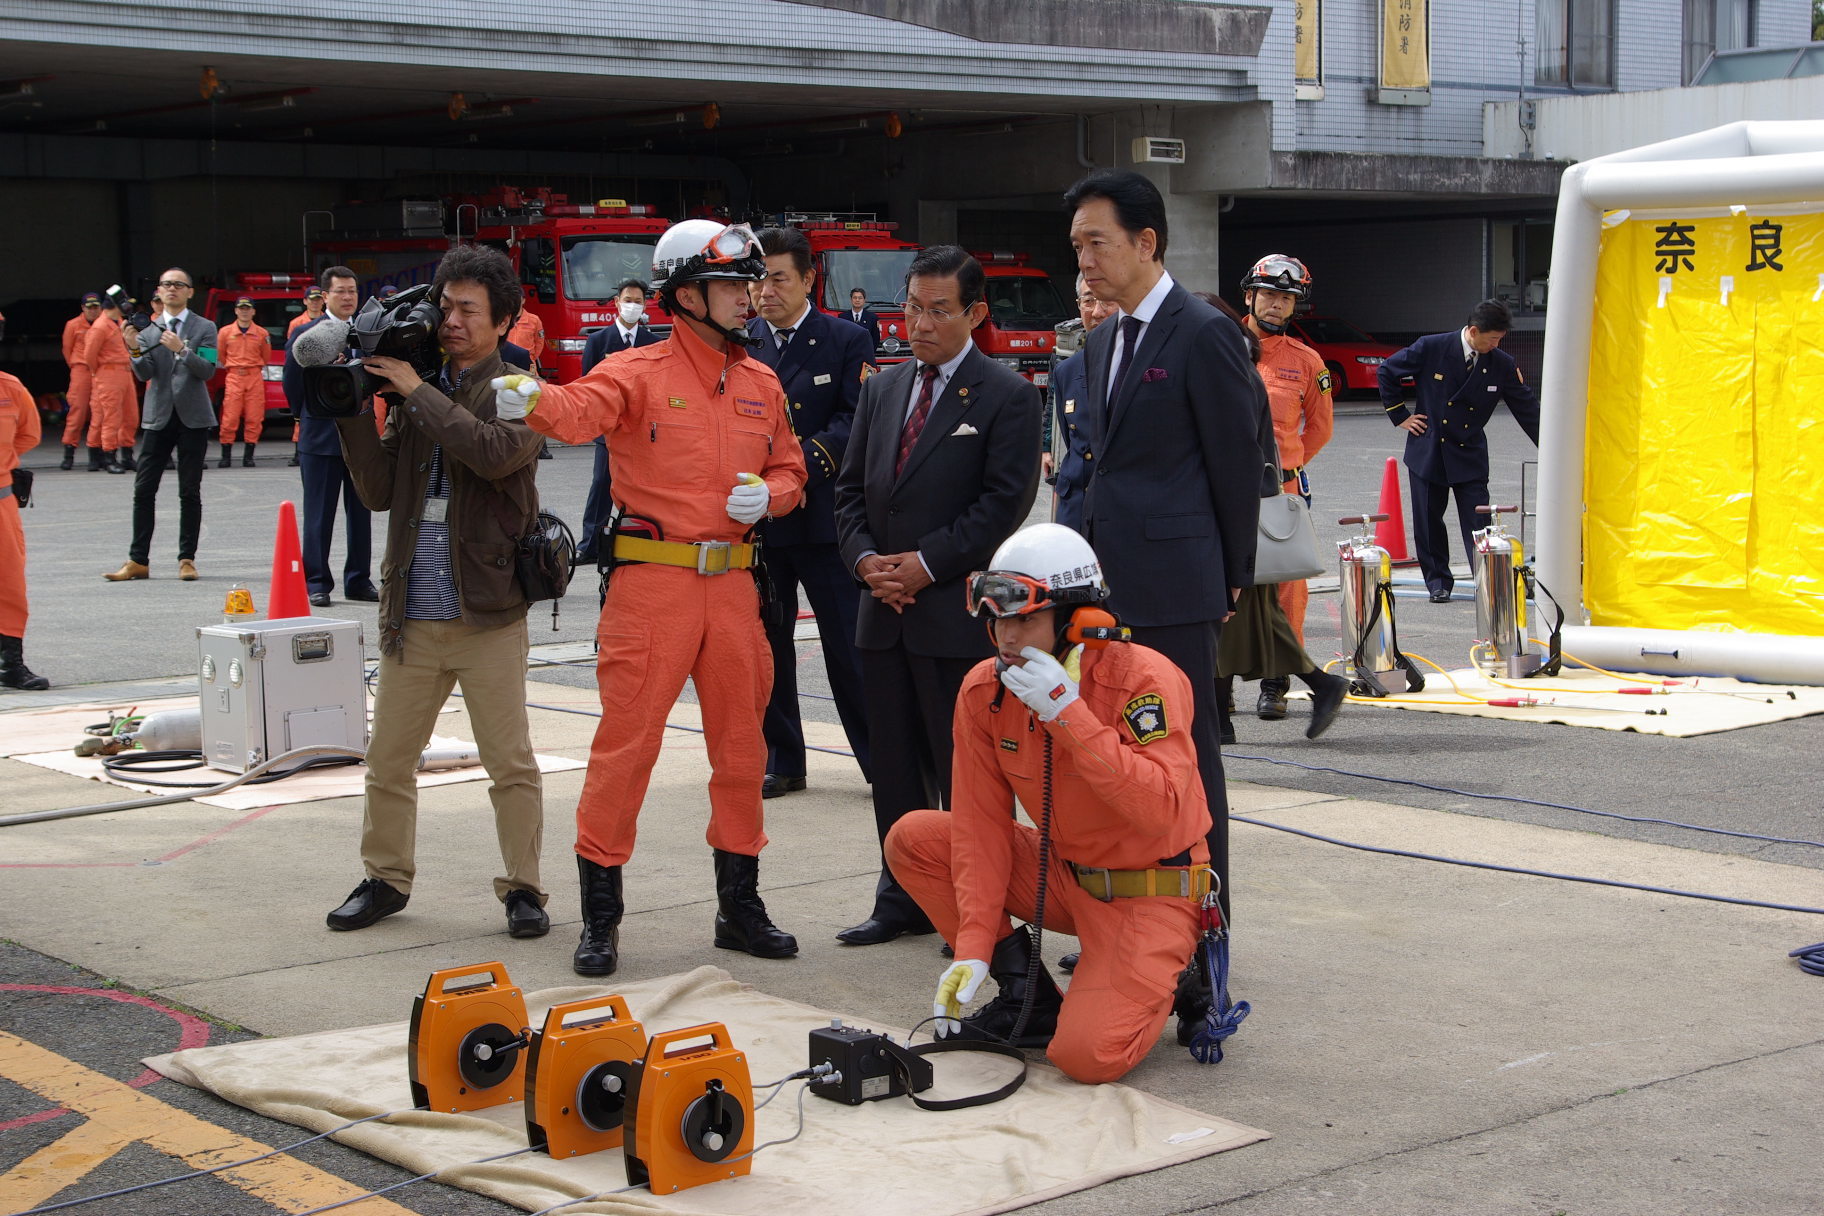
x: 571, y: 257
x: 853, y: 249
x: 277, y: 298
x: 1023, y: 308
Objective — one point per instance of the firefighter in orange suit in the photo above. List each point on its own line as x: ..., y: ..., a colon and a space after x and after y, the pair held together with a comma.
x: 703, y: 450
x: 244, y: 348
x: 76, y: 416
x: 1128, y: 863
x: 529, y: 332
x: 112, y: 397
x: 19, y: 433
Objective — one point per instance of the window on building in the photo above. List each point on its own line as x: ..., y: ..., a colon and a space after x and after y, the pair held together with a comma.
x: 1717, y: 25
x: 1520, y: 263
x: 1577, y: 43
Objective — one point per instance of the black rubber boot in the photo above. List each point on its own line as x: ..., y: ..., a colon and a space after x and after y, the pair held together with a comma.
x: 599, y: 951
x: 1191, y: 1003
x: 97, y: 462
x: 246, y: 455
x: 124, y: 458
x: 1272, y: 704
x: 1225, y: 710
x: 1011, y: 969
x: 741, y: 919
x: 13, y: 671
x: 1327, y: 692
x: 227, y: 460
x: 69, y: 457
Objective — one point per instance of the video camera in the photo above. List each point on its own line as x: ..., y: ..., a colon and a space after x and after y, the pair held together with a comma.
x: 403, y: 326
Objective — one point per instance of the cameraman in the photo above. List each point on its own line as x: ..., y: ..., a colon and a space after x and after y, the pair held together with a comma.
x: 458, y: 482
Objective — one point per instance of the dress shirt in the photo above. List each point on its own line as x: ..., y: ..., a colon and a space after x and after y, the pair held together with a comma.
x: 1144, y: 313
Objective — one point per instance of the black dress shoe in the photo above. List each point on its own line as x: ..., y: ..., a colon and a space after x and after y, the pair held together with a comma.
x: 320, y: 599
x: 367, y: 903
x: 1327, y: 692
x: 368, y: 594
x: 775, y: 785
x: 525, y: 915
x: 1440, y: 597
x: 877, y: 929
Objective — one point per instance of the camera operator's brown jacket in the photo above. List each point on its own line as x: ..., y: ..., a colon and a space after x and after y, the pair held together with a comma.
x: 491, y: 464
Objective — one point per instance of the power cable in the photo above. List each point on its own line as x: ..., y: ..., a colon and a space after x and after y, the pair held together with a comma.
x: 342, y: 1203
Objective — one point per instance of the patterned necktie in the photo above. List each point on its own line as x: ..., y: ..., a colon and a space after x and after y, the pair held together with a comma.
x: 1130, y: 333
x: 785, y: 335
x: 915, y: 425
x: 1471, y: 360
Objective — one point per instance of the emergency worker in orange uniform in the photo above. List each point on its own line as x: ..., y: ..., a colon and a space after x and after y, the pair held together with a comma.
x: 244, y: 348
x: 1128, y: 863
x: 1299, y: 392
x: 76, y: 416
x: 113, y: 397
x: 19, y: 433
x: 702, y: 450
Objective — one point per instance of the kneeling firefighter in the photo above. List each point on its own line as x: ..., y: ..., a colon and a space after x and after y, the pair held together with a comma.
x: 1095, y: 742
x: 702, y: 450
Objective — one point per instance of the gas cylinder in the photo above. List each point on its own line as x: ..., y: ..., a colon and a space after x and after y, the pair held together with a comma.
x: 1501, y: 648
x: 1369, y: 635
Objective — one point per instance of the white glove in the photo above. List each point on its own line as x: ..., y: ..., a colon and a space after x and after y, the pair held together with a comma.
x: 748, y: 501
x: 956, y: 988
x: 515, y: 396
x: 1042, y: 683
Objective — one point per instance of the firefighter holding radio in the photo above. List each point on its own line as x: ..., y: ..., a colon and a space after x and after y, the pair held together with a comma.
x: 702, y: 450
x: 1094, y: 741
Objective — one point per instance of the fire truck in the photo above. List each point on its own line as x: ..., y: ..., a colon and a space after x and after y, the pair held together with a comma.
x: 854, y: 249
x: 1023, y: 309
x: 277, y: 298
x: 571, y: 257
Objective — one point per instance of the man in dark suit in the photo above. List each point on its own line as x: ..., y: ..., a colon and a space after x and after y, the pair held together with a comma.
x: 1070, y: 410
x: 1458, y: 377
x: 866, y: 317
x: 324, y: 472
x: 1174, y: 502
x: 628, y: 332
x: 175, y: 356
x: 942, y: 466
x: 821, y: 362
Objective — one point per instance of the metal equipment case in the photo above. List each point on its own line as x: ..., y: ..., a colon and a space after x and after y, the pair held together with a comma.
x: 271, y: 686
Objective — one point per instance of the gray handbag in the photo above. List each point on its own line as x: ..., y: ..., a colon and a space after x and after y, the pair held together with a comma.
x: 1287, y: 549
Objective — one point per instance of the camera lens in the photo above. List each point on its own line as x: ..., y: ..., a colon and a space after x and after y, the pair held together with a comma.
x: 334, y: 392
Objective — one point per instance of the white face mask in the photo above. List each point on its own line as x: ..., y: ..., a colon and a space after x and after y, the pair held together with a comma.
x: 631, y: 313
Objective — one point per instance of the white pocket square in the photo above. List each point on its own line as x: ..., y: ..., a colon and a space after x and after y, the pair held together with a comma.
x: 964, y: 429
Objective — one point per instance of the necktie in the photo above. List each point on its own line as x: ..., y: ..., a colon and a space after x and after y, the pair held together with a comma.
x: 785, y: 335
x: 915, y: 425
x: 1471, y: 360
x: 1130, y: 333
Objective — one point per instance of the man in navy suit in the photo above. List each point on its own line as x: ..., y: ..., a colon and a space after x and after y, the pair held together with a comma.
x: 628, y: 331
x: 820, y: 361
x: 1070, y: 409
x: 325, y: 473
x: 866, y: 317
x: 1174, y: 502
x: 1458, y: 377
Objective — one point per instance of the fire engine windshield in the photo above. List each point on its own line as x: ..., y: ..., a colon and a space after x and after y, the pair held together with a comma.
x: 596, y: 266
x: 1025, y: 303
x: 879, y: 272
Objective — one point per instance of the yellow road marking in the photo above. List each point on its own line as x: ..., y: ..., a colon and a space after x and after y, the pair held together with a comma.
x: 53, y: 1167
x: 127, y: 1115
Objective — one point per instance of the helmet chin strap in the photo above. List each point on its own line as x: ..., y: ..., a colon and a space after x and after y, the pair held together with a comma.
x: 1272, y: 327
x: 736, y: 334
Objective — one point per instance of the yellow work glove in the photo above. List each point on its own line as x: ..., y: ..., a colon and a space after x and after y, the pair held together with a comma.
x: 515, y: 396
x: 956, y: 988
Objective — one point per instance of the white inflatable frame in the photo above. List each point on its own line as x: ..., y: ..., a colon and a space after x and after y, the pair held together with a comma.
x: 1744, y: 162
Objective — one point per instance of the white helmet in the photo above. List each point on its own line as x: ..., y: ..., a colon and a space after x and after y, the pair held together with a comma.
x: 706, y: 249
x: 1043, y: 566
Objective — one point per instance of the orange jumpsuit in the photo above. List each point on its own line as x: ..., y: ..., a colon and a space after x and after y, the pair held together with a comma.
x: 677, y: 439
x: 243, y: 352
x: 76, y: 417
x: 529, y: 332
x: 19, y: 433
x: 1298, y: 389
x: 114, y: 398
x: 1117, y: 803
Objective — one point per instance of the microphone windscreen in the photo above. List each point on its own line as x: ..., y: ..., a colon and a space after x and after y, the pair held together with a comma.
x: 322, y: 344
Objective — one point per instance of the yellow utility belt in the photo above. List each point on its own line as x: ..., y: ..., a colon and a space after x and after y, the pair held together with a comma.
x: 1192, y: 882
x: 704, y: 556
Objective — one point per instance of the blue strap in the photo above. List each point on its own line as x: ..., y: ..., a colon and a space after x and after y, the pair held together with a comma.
x: 1224, y: 1017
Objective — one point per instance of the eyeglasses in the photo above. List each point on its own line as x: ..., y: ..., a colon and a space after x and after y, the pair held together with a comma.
x: 172, y: 283
x: 916, y: 311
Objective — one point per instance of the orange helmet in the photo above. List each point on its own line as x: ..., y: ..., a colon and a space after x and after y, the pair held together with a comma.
x: 1277, y: 272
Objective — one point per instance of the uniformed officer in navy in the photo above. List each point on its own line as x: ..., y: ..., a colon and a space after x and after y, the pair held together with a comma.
x: 1070, y: 408
x: 1458, y: 378
x: 821, y: 361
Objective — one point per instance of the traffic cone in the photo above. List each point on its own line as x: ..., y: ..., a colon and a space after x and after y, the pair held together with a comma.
x: 289, y: 596
x: 1390, y: 533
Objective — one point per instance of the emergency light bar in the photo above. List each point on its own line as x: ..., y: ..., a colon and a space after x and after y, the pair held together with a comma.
x: 275, y: 280
x: 605, y: 207
x: 1000, y: 257
x: 848, y: 226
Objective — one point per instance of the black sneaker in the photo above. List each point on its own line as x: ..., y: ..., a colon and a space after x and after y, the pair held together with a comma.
x: 525, y: 915
x: 371, y: 901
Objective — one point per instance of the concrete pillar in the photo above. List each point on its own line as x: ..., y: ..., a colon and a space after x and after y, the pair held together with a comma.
x: 1192, y: 222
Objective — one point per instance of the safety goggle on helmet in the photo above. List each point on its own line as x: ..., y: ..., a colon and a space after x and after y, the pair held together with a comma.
x: 1277, y: 272
x: 705, y: 249
x: 998, y: 593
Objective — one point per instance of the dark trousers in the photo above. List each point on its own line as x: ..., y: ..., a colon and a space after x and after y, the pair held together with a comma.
x: 191, y: 443
x: 598, y: 507
x: 911, y: 704
x: 1193, y: 648
x: 1431, y: 537
x: 835, y: 600
x: 326, y: 479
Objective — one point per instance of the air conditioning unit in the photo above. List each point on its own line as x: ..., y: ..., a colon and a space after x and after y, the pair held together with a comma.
x: 1158, y: 150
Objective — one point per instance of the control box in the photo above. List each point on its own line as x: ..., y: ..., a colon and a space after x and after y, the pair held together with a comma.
x: 271, y: 686
x: 869, y: 1066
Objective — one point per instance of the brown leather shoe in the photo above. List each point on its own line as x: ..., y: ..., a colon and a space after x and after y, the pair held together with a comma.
x: 186, y: 570
x: 130, y: 570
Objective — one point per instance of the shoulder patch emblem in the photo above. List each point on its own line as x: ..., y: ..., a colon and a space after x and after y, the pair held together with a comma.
x: 1010, y: 745
x: 867, y: 369
x: 1323, y: 381
x: 1145, y: 716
